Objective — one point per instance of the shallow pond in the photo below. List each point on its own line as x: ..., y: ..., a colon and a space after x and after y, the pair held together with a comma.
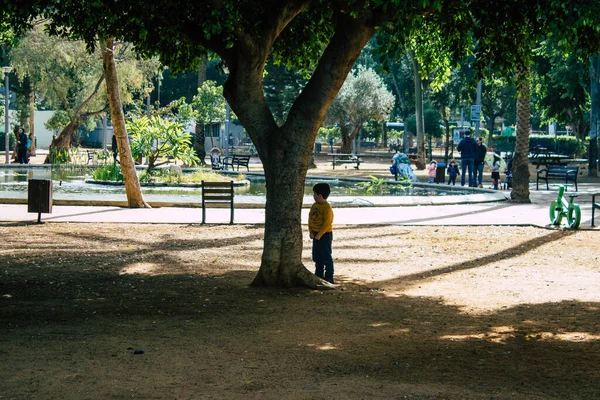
x: 71, y: 185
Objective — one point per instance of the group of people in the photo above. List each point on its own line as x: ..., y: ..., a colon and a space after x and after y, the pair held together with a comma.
x: 472, y: 158
x: 472, y: 161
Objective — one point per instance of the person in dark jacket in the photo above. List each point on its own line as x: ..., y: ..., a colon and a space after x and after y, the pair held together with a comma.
x: 115, y: 149
x: 467, y: 148
x: 452, y: 172
x: 480, y: 151
x: 22, y: 147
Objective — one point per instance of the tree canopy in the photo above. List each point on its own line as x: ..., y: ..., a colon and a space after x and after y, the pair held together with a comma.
x: 363, y: 98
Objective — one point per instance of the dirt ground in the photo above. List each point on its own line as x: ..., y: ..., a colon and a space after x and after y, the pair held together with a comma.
x: 116, y: 311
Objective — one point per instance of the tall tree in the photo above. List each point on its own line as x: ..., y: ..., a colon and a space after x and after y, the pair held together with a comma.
x: 71, y: 79
x: 562, y: 87
x: 520, y: 191
x: 497, y: 100
x: 208, y: 106
x: 594, y: 115
x: 133, y: 189
x: 66, y: 75
x: 362, y: 98
x: 420, y: 122
x: 199, y: 138
x: 323, y: 36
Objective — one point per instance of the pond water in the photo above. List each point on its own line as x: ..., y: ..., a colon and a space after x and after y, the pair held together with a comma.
x: 71, y: 185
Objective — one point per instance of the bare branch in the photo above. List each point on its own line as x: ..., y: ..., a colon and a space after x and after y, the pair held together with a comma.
x: 91, y: 96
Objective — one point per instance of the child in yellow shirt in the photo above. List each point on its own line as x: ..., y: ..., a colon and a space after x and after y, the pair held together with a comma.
x: 320, y: 226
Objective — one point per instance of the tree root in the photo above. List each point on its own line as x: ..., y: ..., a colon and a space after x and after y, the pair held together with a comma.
x: 301, y: 278
x: 310, y: 280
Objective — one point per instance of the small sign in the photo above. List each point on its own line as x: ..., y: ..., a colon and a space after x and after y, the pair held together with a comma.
x: 456, y: 135
x: 476, y: 112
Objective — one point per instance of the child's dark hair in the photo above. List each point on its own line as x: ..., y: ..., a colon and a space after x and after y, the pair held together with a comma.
x: 322, y: 189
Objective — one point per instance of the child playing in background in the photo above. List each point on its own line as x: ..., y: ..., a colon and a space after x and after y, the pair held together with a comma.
x: 452, y: 172
x: 496, y: 172
x: 431, y: 171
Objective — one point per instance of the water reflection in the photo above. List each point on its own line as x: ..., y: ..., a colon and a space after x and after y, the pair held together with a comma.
x: 69, y: 184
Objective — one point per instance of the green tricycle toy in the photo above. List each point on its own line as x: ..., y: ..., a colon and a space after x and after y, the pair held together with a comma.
x: 561, y: 207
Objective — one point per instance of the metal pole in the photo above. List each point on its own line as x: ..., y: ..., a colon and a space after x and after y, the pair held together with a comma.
x: 6, y: 128
x: 104, y: 131
x: 478, y: 102
x: 158, y: 90
x: 227, y: 112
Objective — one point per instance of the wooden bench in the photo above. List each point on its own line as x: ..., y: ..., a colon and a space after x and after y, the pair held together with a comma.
x: 237, y: 160
x: 95, y: 156
x: 341, y: 158
x: 91, y: 156
x: 595, y: 204
x: 557, y: 172
x: 218, y: 193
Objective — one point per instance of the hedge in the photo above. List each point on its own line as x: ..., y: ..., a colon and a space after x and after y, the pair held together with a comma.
x: 567, y: 145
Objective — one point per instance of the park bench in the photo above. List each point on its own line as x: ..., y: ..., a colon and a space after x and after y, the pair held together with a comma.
x: 341, y: 158
x: 595, y: 204
x: 552, y: 159
x: 218, y: 193
x: 237, y: 160
x: 91, y: 156
x: 557, y: 172
x: 95, y: 156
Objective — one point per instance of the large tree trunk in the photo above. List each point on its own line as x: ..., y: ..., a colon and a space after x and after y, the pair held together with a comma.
x: 62, y: 142
x: 403, y: 106
x: 285, y: 151
x: 421, y: 156
x: 133, y: 189
x: 285, y: 173
x: 594, y: 115
x: 349, y: 133
x: 199, y: 138
x: 520, y: 192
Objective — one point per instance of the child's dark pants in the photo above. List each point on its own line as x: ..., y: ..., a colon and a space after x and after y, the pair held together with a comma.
x: 321, y: 255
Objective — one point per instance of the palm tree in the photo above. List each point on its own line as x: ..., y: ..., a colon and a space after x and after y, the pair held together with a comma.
x: 520, y: 192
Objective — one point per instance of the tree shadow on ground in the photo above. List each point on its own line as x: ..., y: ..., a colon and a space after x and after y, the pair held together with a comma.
x: 204, y: 332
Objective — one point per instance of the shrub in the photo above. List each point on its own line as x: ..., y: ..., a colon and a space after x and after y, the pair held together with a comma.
x: 11, y: 141
x: 109, y: 172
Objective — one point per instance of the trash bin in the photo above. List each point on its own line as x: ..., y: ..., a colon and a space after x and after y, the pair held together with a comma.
x: 318, y: 147
x: 39, y: 199
x: 440, y: 173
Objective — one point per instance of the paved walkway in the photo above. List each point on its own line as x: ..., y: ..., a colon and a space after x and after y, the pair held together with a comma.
x: 495, y: 213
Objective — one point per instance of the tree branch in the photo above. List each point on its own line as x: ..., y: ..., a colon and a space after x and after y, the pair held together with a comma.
x: 351, y: 35
x: 91, y: 96
x: 92, y: 113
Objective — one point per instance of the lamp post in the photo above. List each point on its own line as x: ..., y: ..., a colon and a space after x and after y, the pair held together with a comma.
x: 6, y: 70
x: 227, y: 114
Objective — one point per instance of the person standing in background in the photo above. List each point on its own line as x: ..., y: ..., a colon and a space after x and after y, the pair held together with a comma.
x: 467, y: 148
x: 480, y: 152
x: 22, y: 147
